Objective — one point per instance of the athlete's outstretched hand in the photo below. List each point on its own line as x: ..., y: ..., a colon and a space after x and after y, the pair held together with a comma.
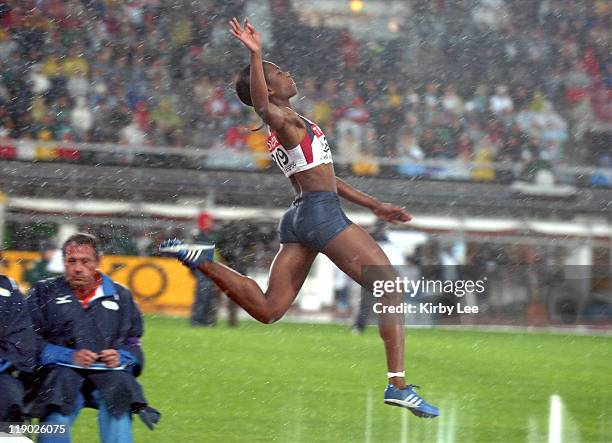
x: 392, y: 213
x: 247, y: 34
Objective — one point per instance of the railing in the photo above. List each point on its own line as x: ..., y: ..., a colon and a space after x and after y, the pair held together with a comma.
x: 231, y: 159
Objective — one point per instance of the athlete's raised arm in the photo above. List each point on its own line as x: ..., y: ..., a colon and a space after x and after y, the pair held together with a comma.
x: 385, y: 211
x: 251, y: 39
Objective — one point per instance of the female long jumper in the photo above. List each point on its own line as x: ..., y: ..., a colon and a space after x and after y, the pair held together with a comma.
x: 314, y: 223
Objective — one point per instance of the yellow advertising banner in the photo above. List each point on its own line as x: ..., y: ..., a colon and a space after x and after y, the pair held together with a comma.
x: 158, y: 284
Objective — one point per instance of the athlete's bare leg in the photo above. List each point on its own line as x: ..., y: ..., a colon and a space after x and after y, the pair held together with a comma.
x: 349, y: 250
x: 287, y: 274
x: 352, y: 249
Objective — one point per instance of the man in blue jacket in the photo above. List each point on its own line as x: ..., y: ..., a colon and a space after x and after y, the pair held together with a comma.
x: 17, y: 349
x: 89, y: 330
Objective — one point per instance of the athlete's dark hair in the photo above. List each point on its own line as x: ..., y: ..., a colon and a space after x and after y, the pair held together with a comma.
x: 82, y: 238
x: 243, y: 87
x: 243, y: 83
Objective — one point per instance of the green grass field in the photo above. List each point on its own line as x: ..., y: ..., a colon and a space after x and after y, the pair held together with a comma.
x: 310, y: 383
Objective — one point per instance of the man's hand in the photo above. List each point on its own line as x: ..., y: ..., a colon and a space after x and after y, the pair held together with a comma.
x: 247, y: 34
x: 84, y: 357
x: 110, y: 357
x: 391, y: 213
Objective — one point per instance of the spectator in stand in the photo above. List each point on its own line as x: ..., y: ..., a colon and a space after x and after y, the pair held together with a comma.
x: 606, y: 78
x: 501, y: 102
x: 142, y: 116
x: 81, y: 119
x: 308, y: 96
x: 408, y: 147
x: 411, y: 155
x: 132, y: 135
x: 349, y: 145
x: 120, y: 117
x: 576, y: 83
x: 47, y: 129
x: 428, y: 141
x: 451, y: 102
x: 166, y: 122
x: 603, y: 177
x: 75, y: 63
x: 464, y: 147
x: 322, y: 111
x: 235, y: 137
x: 431, y: 98
x: 554, y: 127
x: 257, y: 143
x: 203, y: 89
x: 352, y: 122
x: 39, y: 81
x: 7, y: 46
x: 217, y: 107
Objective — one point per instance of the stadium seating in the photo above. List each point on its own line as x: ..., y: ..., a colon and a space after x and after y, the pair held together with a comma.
x: 160, y: 78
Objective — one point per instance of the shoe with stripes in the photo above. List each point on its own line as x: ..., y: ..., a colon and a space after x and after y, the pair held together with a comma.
x: 408, y: 398
x: 189, y: 255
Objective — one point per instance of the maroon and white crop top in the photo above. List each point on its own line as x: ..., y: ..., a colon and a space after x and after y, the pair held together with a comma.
x: 312, y: 151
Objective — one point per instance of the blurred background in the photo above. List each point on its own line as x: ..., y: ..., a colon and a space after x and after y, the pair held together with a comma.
x: 490, y: 120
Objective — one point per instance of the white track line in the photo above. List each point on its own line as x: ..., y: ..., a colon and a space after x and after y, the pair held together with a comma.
x: 441, y: 425
x: 452, y: 425
x: 554, y: 420
x: 404, y: 430
x: 368, y: 418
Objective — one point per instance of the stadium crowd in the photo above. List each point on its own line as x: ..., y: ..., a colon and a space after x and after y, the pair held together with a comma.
x: 487, y: 80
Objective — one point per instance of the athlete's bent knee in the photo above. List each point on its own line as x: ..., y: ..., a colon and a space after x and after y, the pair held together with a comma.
x: 270, y: 315
x: 274, y: 318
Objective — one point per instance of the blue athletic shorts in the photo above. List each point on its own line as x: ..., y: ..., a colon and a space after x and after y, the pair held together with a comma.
x: 313, y: 220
